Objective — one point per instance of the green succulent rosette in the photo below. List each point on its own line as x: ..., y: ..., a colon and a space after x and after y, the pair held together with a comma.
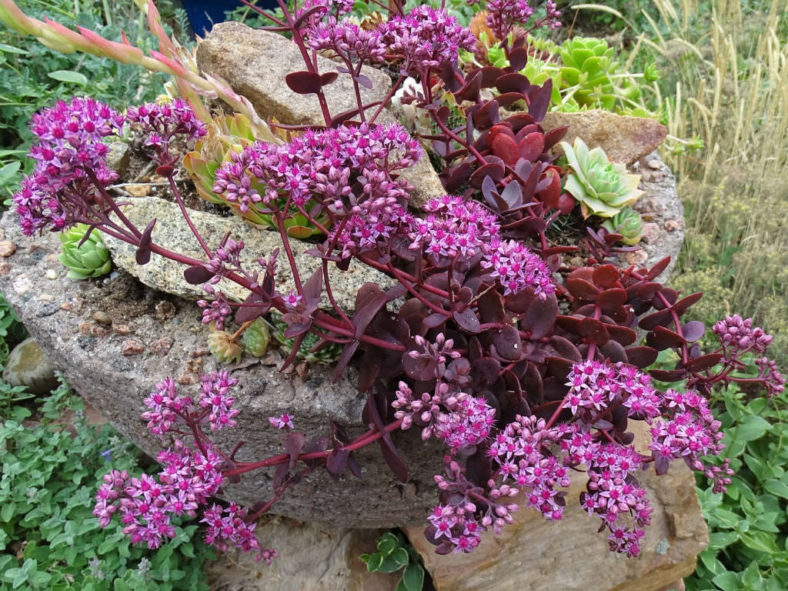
x: 84, y: 257
x: 257, y: 338
x: 603, y: 188
x: 327, y: 354
x: 626, y: 222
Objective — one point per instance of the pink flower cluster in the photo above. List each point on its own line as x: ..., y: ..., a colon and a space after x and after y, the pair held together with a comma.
x: 227, y: 528
x: 597, y: 385
x: 739, y: 334
x: 348, y: 41
x: 161, y: 122
x: 517, y: 268
x: 426, y: 38
x: 166, y: 407
x: 689, y: 431
x: 69, y: 149
x: 773, y: 380
x: 147, y: 504
x: 523, y: 453
x: 454, y: 228
x: 504, y: 15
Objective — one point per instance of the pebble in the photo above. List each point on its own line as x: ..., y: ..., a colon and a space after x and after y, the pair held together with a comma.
x: 138, y: 190
x: 121, y: 329
x: 51, y: 274
x: 102, y: 318
x: 164, y: 310
x: 7, y: 248
x: 132, y: 347
x: 46, y: 297
x: 161, y: 346
x: 5, y: 268
x: 673, y: 225
x: 22, y: 284
x: 654, y: 164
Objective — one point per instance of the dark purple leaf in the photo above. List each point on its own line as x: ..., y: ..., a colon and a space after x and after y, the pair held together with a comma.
x: 144, y: 247
x: 564, y: 348
x: 693, y: 330
x: 467, y: 320
x: 197, y: 274
x: 540, y: 316
x: 508, y: 99
x: 434, y: 320
x: 581, y: 289
x: 512, y: 194
x: 313, y: 289
x: 491, y: 308
x: 347, y: 354
x: 512, y: 82
x: 532, y: 146
x: 517, y: 59
x: 470, y: 91
x: 508, y: 344
x: 253, y: 307
x: 683, y: 304
x: 493, y: 171
x: 486, y: 116
x: 540, y: 100
x: 669, y: 375
x: 660, y: 266
x: 606, y: 276
x: 593, y: 331
x: 293, y: 444
x: 641, y: 356
x: 651, y: 321
x: 622, y: 334
x: 552, y: 137
x: 614, y: 351
x: 703, y: 363
x: 362, y: 79
x: 369, y: 300
x: 304, y: 82
x: 662, y: 338
x: 485, y: 372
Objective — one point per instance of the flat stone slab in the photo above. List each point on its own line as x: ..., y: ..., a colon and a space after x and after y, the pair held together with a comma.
x: 144, y: 335
x: 534, y: 554
x: 172, y: 232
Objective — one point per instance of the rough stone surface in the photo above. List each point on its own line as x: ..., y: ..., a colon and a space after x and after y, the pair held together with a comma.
x: 310, y: 557
x: 255, y: 63
x: 623, y: 138
x: 535, y: 554
x: 173, y: 233
x: 28, y: 366
x: 93, y: 363
x: 662, y: 213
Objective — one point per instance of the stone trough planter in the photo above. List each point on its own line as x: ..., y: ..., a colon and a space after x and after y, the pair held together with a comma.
x: 115, y: 338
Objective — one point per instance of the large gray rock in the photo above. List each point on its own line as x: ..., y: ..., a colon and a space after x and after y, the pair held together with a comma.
x: 172, y: 232
x: 255, y: 63
x: 28, y: 366
x: 151, y: 335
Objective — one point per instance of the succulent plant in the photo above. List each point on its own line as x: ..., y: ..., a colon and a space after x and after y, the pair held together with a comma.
x: 603, y: 188
x: 327, y: 354
x: 626, y: 222
x: 228, y: 134
x: 590, y: 73
x: 257, y: 338
x: 84, y: 257
x: 223, y: 347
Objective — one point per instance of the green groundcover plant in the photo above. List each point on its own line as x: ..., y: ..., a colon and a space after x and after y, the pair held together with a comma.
x: 49, y: 538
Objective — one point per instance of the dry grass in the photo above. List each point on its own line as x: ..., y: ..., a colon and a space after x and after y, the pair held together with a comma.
x: 730, y: 73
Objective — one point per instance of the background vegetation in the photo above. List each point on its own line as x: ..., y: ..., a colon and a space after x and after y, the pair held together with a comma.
x: 723, y: 93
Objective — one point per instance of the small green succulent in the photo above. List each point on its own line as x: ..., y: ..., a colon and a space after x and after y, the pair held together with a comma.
x: 626, y: 222
x: 603, y: 188
x: 257, y: 338
x: 327, y: 354
x: 88, y: 259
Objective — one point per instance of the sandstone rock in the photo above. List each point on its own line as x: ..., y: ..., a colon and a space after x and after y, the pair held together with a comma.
x: 623, y: 138
x: 255, y: 63
x: 7, y: 248
x: 535, y: 554
x: 172, y: 232
x: 310, y: 557
x: 94, y: 364
x: 28, y: 366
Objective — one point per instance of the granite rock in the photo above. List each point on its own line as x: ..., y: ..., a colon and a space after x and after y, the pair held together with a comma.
x: 535, y: 554
x: 28, y: 366
x: 255, y: 63
x: 172, y: 232
x: 623, y: 138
